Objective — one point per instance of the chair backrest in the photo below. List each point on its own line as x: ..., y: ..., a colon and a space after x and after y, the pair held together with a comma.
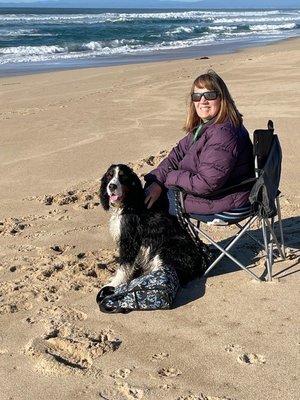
x: 262, y: 142
x: 268, y: 158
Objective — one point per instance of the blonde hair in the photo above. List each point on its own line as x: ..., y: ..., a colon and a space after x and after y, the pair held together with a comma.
x: 212, y: 81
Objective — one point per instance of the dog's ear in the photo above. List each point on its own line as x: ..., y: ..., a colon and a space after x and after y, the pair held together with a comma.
x: 136, y: 182
x: 135, y: 196
x: 104, y: 199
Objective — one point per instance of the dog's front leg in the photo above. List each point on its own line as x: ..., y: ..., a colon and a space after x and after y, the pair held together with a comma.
x: 124, y: 274
x: 121, y: 276
x: 129, y: 245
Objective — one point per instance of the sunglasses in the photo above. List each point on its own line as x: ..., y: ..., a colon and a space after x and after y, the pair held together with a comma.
x: 207, y: 95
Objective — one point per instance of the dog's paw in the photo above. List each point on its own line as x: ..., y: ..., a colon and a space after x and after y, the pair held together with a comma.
x: 105, y: 291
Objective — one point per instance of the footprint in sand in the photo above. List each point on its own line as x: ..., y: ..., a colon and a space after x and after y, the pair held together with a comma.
x: 202, y: 397
x: 86, y: 194
x: 250, y: 358
x: 232, y: 347
x: 245, y: 358
x: 70, y: 349
x: 12, y: 226
x: 167, y: 386
x: 121, y: 373
x: 81, y: 197
x: 159, y: 356
x: 150, y: 160
x: 15, y: 226
x: 122, y: 391
x: 15, y: 298
x: 15, y: 306
x: 129, y: 392
x: 48, y: 277
x: 169, y: 372
x: 57, y: 315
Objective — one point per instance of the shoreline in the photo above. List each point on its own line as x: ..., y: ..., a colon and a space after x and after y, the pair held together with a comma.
x: 23, y: 69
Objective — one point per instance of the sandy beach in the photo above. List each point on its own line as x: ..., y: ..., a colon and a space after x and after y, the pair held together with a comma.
x: 228, y: 337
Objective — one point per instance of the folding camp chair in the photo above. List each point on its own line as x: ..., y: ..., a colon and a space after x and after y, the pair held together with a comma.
x: 263, y: 207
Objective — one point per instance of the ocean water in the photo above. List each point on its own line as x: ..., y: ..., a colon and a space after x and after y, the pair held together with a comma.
x: 60, y: 36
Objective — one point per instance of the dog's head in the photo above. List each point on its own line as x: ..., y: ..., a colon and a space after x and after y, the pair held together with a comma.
x: 121, y: 187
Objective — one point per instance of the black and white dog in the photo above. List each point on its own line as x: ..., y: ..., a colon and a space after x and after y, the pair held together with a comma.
x: 148, y: 240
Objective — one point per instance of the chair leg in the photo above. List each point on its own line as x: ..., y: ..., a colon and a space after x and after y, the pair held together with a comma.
x: 274, y: 237
x: 267, y: 249
x: 280, y: 226
x: 271, y: 249
x: 224, y: 252
x: 243, y: 230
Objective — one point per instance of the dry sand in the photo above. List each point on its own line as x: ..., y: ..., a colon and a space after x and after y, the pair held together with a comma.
x: 229, y: 337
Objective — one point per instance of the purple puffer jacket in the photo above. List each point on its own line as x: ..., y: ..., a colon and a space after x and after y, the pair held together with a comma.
x: 221, y: 157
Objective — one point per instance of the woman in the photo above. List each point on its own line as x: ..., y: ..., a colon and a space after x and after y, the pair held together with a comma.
x: 215, y: 154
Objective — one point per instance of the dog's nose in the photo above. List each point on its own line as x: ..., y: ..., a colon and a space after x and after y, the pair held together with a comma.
x: 112, y: 186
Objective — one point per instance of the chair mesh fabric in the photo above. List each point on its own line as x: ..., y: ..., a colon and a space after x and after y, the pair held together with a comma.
x: 262, y: 142
x: 265, y: 190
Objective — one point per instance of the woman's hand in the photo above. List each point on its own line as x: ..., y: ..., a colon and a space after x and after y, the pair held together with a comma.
x: 152, y: 194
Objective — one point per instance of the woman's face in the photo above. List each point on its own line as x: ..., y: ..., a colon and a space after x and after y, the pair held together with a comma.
x: 206, y: 109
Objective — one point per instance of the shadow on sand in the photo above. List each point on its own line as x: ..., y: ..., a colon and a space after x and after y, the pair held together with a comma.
x: 248, y: 252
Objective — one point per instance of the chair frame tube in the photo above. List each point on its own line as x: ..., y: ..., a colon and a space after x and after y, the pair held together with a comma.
x: 224, y: 252
x: 280, y: 226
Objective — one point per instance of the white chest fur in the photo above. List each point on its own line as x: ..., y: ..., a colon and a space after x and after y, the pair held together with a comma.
x: 115, y: 224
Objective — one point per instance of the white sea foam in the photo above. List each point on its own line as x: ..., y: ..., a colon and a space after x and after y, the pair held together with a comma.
x: 222, y: 28
x: 272, y: 27
x: 123, y: 17
x: 114, y: 44
x: 50, y: 18
x: 192, y: 15
x: 15, y: 33
x: 32, y: 50
x: 93, y: 49
x: 252, y: 34
x: 180, y: 29
x: 250, y: 20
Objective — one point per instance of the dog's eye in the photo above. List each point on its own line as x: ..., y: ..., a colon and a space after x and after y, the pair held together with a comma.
x: 109, y: 174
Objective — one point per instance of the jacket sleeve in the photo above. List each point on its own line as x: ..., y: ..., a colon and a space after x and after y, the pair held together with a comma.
x: 216, y: 160
x: 170, y: 163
